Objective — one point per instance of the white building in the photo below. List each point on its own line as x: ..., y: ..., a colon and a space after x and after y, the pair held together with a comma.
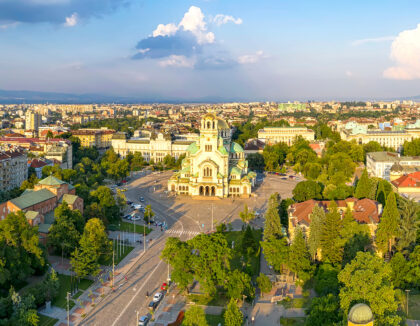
x: 273, y: 135
x: 379, y: 164
x: 32, y: 120
x: 13, y: 168
x: 214, y: 165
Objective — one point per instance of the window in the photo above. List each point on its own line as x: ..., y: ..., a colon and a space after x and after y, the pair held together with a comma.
x: 208, y: 148
x: 207, y: 172
x: 208, y: 124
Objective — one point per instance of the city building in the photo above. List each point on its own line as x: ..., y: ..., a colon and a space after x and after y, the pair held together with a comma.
x: 407, y: 184
x: 99, y: 138
x: 214, y: 165
x: 365, y: 211
x: 32, y: 120
x: 152, y: 148
x: 39, y: 203
x: 272, y: 135
x: 379, y: 164
x: 56, y: 149
x: 13, y: 168
x: 360, y: 315
x: 392, y: 138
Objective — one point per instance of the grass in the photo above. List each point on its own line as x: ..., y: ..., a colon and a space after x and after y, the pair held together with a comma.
x: 414, y: 306
x: 61, y: 299
x: 219, y: 300
x: 214, y: 320
x: 46, y: 321
x: 117, y: 258
x: 295, y: 303
x: 297, y: 321
x: 127, y: 226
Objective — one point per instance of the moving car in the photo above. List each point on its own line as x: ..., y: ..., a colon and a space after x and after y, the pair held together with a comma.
x: 144, y: 320
x: 157, y: 297
x: 141, y: 199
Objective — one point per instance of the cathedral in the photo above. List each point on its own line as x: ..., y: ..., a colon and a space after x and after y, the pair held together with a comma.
x: 214, y: 166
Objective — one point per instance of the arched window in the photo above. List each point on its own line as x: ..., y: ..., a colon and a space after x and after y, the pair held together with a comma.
x: 208, y: 124
x: 207, y: 172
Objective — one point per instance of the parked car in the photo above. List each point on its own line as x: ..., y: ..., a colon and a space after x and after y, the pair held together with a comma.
x: 158, y: 296
x: 128, y: 217
x: 152, y: 305
x: 136, y: 218
x: 141, y: 199
x: 144, y: 320
x: 164, y: 287
x: 129, y: 202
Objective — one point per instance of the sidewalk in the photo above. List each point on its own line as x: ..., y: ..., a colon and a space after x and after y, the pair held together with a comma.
x: 102, y: 286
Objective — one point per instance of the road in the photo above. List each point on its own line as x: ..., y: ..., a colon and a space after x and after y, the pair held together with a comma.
x: 149, y: 272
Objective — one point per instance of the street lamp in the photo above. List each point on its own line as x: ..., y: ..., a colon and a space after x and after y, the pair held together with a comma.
x: 68, y: 308
x: 137, y: 316
x: 407, y: 291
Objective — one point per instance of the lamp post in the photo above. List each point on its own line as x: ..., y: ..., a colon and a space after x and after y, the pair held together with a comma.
x: 407, y: 291
x: 68, y: 308
x: 137, y: 317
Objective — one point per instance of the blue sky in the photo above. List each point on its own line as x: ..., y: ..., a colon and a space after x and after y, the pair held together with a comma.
x: 256, y: 50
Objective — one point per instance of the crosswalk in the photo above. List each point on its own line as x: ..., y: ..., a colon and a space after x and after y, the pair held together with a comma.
x: 180, y: 232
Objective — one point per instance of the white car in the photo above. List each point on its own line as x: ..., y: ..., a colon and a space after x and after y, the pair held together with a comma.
x: 137, y: 206
x: 157, y: 297
x: 136, y: 218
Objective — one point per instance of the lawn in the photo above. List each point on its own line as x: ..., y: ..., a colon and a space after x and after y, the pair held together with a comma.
x: 297, y: 321
x: 295, y: 303
x: 128, y: 227
x: 117, y: 258
x: 237, y: 262
x: 219, y: 300
x: 46, y: 321
x: 414, y: 306
x: 61, y: 299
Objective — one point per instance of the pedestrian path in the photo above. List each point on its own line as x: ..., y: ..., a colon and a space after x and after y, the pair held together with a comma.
x: 180, y: 232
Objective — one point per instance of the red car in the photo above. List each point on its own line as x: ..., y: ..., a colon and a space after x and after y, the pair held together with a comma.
x: 164, y: 287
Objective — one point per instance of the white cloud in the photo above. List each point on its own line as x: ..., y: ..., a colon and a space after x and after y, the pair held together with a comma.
x: 72, y: 20
x: 165, y: 30
x: 193, y: 21
x: 177, y: 61
x: 373, y: 40
x: 8, y: 25
x: 405, y: 51
x: 143, y: 51
x: 251, y: 58
x: 221, y: 19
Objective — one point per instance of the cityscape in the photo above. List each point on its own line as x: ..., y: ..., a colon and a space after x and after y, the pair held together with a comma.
x: 209, y: 164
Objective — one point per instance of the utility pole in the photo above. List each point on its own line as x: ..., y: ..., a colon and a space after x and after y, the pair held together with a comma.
x: 144, y: 238
x: 407, y: 291
x: 168, y: 274
x: 212, y: 217
x: 134, y: 233
x: 137, y: 315
x: 113, y: 268
x: 68, y: 308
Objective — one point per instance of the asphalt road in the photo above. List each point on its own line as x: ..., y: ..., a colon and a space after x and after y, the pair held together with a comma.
x: 149, y: 272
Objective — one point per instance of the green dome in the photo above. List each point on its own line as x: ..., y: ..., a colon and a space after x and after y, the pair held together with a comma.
x: 236, y: 148
x: 222, y: 149
x: 360, y: 314
x: 235, y: 170
x: 192, y: 148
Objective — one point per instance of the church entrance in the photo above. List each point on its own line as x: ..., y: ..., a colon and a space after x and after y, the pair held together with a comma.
x: 201, y: 191
x: 213, y: 191
x: 207, y: 191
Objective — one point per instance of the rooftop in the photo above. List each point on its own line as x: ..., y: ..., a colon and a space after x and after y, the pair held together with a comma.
x: 32, y: 198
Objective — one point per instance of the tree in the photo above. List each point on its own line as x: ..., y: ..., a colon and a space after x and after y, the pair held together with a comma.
x: 65, y: 232
x: 363, y: 188
x: 148, y: 214
x: 20, y: 252
x: 408, y: 226
x: 299, y: 257
x: 412, y: 148
x: 233, y: 316
x: 118, y: 170
x: 264, y: 283
x: 272, y: 224
x: 238, y: 284
x: 195, y: 316
x: 246, y: 215
x: 400, y: 271
x: 331, y: 244
x: 276, y: 252
x: 248, y: 242
x: 305, y: 190
x: 388, y: 226
x: 178, y: 254
x: 326, y: 280
x: 380, y: 194
x: 24, y: 312
x: 324, y: 311
x: 317, y: 226
x: 104, y: 197
x: 138, y: 162
x: 368, y: 279
x: 256, y: 161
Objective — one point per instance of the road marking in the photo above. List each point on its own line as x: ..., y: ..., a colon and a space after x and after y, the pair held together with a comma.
x: 181, y: 232
x: 132, y: 299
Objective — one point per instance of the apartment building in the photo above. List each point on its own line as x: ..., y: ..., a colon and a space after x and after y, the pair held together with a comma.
x: 380, y: 164
x: 99, y: 138
x: 13, y: 168
x: 32, y: 120
x: 273, y: 135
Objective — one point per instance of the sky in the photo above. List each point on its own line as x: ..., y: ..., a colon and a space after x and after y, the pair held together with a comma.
x: 265, y: 50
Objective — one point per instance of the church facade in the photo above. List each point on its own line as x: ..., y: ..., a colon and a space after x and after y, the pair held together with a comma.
x: 214, y: 166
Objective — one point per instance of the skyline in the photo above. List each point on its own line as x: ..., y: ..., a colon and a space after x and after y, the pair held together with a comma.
x: 192, y: 50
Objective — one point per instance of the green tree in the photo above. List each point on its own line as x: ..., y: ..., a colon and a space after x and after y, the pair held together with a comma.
x: 411, y: 148
x: 65, y: 232
x: 368, y: 279
x: 138, y: 162
x: 299, y: 257
x: 148, y: 214
x: 246, y: 215
x: 388, y: 226
x: 326, y: 280
x: 256, y: 161
x: 363, y: 188
x: 400, y: 271
x: 248, y: 242
x: 331, y: 244
x: 118, y: 170
x: 264, y: 283
x: 324, y: 311
x: 380, y: 194
x: 408, y: 226
x: 238, y: 284
x: 276, y: 252
x: 105, y: 199
x: 178, y: 254
x: 24, y: 312
x: 317, y: 226
x: 195, y: 316
x: 305, y: 190
x: 272, y: 224
x: 233, y: 316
